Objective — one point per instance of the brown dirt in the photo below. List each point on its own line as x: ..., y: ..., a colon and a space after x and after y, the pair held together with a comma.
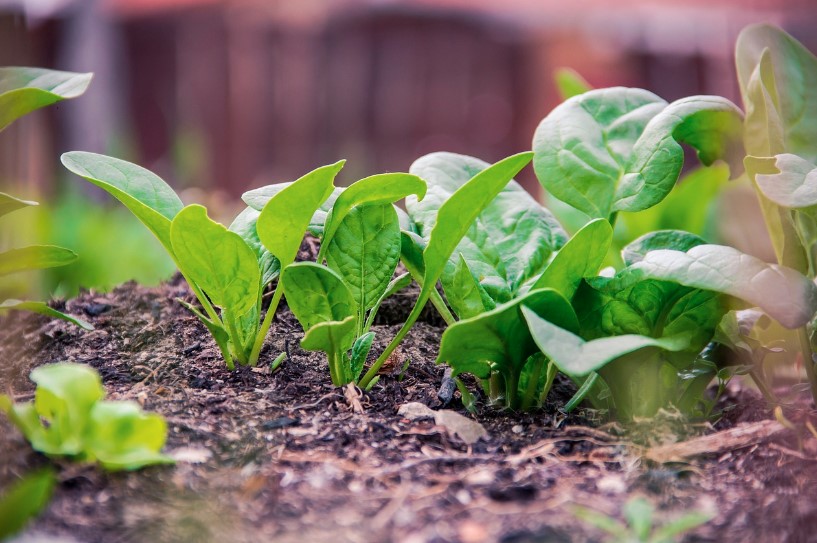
x: 285, y: 458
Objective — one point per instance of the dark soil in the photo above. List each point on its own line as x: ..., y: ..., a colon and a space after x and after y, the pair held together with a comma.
x: 284, y: 456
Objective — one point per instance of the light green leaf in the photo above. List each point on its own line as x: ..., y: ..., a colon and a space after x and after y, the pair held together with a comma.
x: 23, y: 90
x: 619, y: 149
x: 365, y: 250
x: 333, y: 338
x: 499, y: 340
x: 677, y: 240
x: 245, y: 226
x: 582, y: 256
x: 638, y: 512
x: 468, y: 298
x: 578, y: 358
x: 9, y: 203
x: 508, y: 243
x: 316, y: 294
x: 570, y: 83
x: 286, y: 216
x: 258, y: 198
x: 384, y: 188
x: 793, y: 183
x: 784, y: 294
x: 24, y: 500
x: 43, y: 309
x: 149, y: 198
x: 791, y: 86
x: 35, y: 257
x: 123, y: 437
x: 218, y: 260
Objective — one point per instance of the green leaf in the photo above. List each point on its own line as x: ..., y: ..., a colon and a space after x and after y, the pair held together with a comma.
x: 509, y: 242
x: 582, y: 256
x: 149, y: 198
x: 397, y: 284
x: 384, y: 188
x: 245, y: 226
x: 43, y: 309
x: 360, y: 352
x: 468, y: 298
x: 316, y: 294
x: 578, y: 358
x: 286, y: 216
x: 619, y: 149
x: 677, y: 240
x: 570, y: 83
x: 791, y: 86
x: 793, y: 183
x: 365, y: 251
x: 258, y: 198
x: 333, y: 338
x: 23, y: 90
x: 499, y: 340
x: 35, y: 257
x: 784, y: 294
x: 675, y: 528
x: 218, y: 260
x: 123, y: 437
x: 638, y: 512
x: 9, y: 203
x: 24, y: 501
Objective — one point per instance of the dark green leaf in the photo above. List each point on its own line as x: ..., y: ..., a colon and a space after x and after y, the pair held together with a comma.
x: 360, y: 352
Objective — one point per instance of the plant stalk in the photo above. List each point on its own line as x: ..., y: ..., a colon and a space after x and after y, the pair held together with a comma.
x: 265, y: 325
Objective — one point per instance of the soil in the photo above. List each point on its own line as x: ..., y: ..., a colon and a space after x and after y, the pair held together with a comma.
x: 286, y: 457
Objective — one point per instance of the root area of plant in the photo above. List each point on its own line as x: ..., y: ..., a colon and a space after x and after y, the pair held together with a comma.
x: 284, y: 456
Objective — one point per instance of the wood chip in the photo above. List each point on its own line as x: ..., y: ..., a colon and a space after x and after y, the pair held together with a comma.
x: 740, y: 436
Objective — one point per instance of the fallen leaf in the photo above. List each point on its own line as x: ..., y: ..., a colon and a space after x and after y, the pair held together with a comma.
x: 470, y: 431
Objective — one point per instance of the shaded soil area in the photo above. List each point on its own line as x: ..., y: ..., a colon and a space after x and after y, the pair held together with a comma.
x: 285, y: 456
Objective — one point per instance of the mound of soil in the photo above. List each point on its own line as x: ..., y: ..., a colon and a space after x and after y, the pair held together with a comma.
x: 285, y: 456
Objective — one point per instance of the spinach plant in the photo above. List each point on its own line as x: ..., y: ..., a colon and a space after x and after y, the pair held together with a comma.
x: 778, y: 82
x: 226, y: 268
x: 69, y: 417
x: 23, y: 90
x: 336, y: 304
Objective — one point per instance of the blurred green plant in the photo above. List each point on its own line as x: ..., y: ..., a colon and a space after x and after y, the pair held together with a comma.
x: 24, y: 500
x: 640, y: 525
x: 69, y: 417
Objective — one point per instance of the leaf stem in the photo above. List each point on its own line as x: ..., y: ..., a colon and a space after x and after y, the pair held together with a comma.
x: 440, y: 305
x: 265, y: 326
x: 808, y: 361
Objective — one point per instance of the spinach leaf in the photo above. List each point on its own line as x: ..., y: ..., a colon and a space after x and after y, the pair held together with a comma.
x: 790, y: 183
x: 43, y: 309
x: 244, y: 225
x: 258, y: 198
x: 498, y: 342
x: 9, y: 203
x: 69, y: 417
x: 570, y: 83
x: 35, y: 257
x: 508, y: 244
x: 23, y: 90
x: 454, y: 218
x: 24, y: 500
x: 334, y: 338
x: 317, y: 294
x: 619, y: 149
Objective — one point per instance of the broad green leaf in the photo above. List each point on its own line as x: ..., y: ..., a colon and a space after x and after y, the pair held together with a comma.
x: 795, y: 85
x: 784, y: 294
x: 582, y: 256
x: 677, y: 240
x: 258, y: 198
x: 578, y: 358
x: 24, y: 500
x: 793, y: 183
x: 9, y: 203
x: 499, y: 340
x: 245, y: 226
x: 384, y: 188
x: 620, y: 149
x: 149, y: 198
x: 123, y: 437
x: 508, y: 243
x: 365, y: 250
x: 218, y: 260
x: 570, y: 83
x: 330, y: 337
x: 43, y: 309
x: 23, y: 90
x: 35, y: 257
x: 316, y: 294
x: 286, y: 216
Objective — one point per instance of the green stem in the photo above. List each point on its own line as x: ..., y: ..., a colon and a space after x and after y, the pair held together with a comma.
x: 265, y: 325
x: 439, y: 303
x: 533, y: 382
x: 552, y: 370
x: 808, y: 362
x: 763, y: 387
x: 235, y: 338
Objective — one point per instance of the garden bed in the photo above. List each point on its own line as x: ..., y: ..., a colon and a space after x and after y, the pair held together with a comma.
x: 285, y: 456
